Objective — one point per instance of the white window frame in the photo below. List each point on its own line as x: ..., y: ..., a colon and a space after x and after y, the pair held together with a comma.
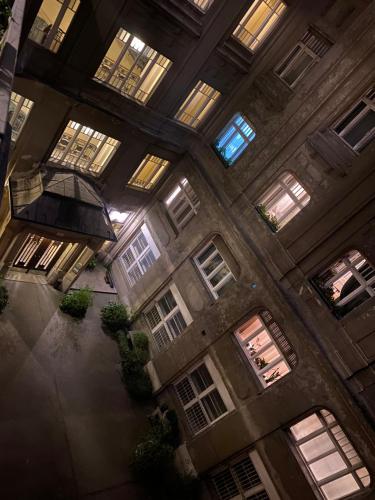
x: 151, y: 248
x: 313, y: 45
x: 237, y: 129
x: 277, y: 339
x: 264, y: 485
x: 163, y: 341
x: 369, y: 100
x: 55, y: 36
x: 278, y: 190
x: 365, y: 285
x: 211, y: 97
x: 183, y: 198
x: 111, y: 74
x: 228, y: 277
x: 341, y: 445
x: 217, y: 385
x: 64, y: 153
x: 257, y: 38
x: 23, y: 105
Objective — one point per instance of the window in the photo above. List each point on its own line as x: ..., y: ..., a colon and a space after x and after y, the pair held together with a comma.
x: 140, y: 255
x: 347, y: 283
x: 197, y: 105
x: 83, y: 148
x: 168, y: 318
x: 52, y: 22
x: 132, y: 68
x: 357, y: 128
x: 182, y: 203
x: 19, y: 109
x: 149, y: 172
x: 258, y: 22
x: 308, y: 51
x: 243, y: 477
x: 203, y: 396
x: 214, y: 269
x: 283, y: 201
x: 332, y: 462
x: 234, y: 139
x: 202, y: 5
x: 268, y: 351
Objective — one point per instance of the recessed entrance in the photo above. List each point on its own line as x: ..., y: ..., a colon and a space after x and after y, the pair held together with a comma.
x: 38, y: 253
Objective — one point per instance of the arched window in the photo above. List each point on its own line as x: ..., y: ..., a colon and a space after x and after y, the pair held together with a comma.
x: 347, y: 282
x: 329, y: 457
x: 267, y: 349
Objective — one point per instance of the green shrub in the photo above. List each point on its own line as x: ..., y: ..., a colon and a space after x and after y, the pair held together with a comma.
x: 91, y: 265
x: 140, y: 344
x: 115, y: 317
x: 150, y: 457
x: 4, y: 297
x: 76, y: 302
x: 133, y: 359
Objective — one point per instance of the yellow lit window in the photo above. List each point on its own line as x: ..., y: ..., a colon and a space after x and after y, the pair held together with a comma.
x: 202, y: 5
x: 258, y: 21
x: 132, y: 68
x: 83, y: 148
x: 19, y: 109
x: 52, y: 22
x: 197, y: 105
x: 149, y: 172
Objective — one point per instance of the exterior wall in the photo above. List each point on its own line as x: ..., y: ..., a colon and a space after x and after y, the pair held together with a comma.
x: 272, y: 271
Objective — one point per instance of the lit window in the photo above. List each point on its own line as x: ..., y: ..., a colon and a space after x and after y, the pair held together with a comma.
x: 119, y: 217
x: 140, y: 255
x: 357, y: 128
x: 347, y: 283
x: 83, y: 148
x: 283, y: 201
x: 132, y: 68
x: 268, y: 351
x: 234, y: 139
x: 149, y: 172
x: 182, y: 203
x: 203, y: 396
x: 52, y: 22
x: 168, y: 318
x: 202, y: 5
x: 243, y: 477
x: 197, y: 105
x: 258, y: 22
x: 214, y: 269
x: 19, y: 109
x: 308, y: 51
x: 331, y: 460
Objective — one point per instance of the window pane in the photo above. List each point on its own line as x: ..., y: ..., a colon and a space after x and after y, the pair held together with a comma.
x: 214, y: 405
x: 364, y: 127
x: 276, y: 372
x: 225, y: 485
x: 197, y: 105
x: 316, y: 446
x: 340, y: 487
x: 204, y: 256
x: 196, y: 418
x: 167, y: 303
x: 306, y: 426
x: 176, y: 324
x: 185, y: 391
x: 161, y: 338
x: 234, y: 139
x: 212, y: 264
x: 298, y: 67
x: 201, y: 378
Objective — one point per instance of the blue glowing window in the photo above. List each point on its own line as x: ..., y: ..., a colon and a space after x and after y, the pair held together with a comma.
x: 234, y: 139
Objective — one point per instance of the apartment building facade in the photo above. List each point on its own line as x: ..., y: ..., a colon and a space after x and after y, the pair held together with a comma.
x: 231, y: 144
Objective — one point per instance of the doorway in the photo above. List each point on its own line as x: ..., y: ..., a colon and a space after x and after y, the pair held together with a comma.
x: 38, y: 253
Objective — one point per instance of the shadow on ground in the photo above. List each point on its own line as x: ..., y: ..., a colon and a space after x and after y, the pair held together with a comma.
x: 67, y: 424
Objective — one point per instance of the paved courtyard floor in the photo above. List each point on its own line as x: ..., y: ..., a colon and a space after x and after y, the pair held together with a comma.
x: 66, y: 423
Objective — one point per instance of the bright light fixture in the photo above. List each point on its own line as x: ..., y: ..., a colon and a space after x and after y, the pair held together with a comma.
x: 116, y: 216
